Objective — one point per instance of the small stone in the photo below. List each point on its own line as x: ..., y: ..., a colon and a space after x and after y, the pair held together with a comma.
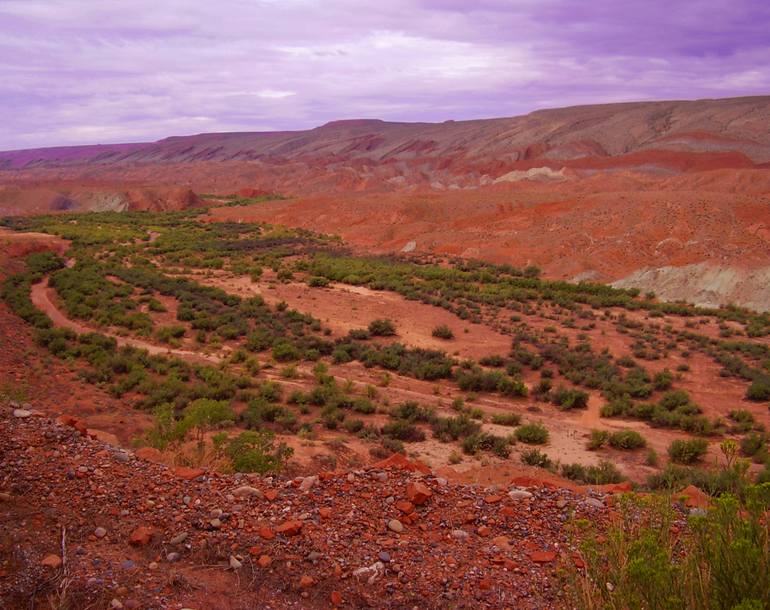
x: 396, y: 526
x: 306, y: 581
x: 264, y: 561
x: 128, y: 564
x: 152, y: 565
x: 418, y: 493
x: 384, y: 557
x: 116, y: 604
x: 314, y: 556
x: 178, y: 539
x: 22, y: 413
x: 235, y: 563
x: 336, y: 598
x: 308, y: 483
x: 542, y: 556
x: 100, y: 532
x: 519, y: 494
x: 290, y: 528
x: 141, y: 536
x: 460, y: 534
x: 595, y: 502
x: 247, y: 491
x: 51, y: 561
x: 173, y: 557
x: 215, y: 523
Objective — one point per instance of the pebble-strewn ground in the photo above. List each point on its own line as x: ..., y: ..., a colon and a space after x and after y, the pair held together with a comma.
x: 96, y: 526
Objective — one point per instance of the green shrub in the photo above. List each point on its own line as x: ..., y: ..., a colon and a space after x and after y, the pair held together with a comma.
x: 598, y: 439
x: 382, y: 328
x: 256, y: 452
x: 486, y: 442
x: 532, y: 434
x: 535, y: 457
x: 443, y: 332
x: 627, y: 439
x: 506, y: 419
x: 687, y: 451
x: 403, y: 430
x: 569, y: 399
x: 448, y: 429
x: 719, y: 561
x: 759, y: 390
x: 606, y: 472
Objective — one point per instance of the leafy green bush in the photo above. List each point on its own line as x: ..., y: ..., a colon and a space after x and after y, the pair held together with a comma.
x: 443, y: 332
x: 535, y: 457
x: 641, y: 561
x: 403, y: 430
x: 483, y: 441
x: 606, y: 472
x: 687, y: 451
x: 448, y: 429
x: 627, y: 439
x: 598, y: 439
x: 382, y: 328
x: 532, y: 434
x: 255, y: 451
x: 506, y: 419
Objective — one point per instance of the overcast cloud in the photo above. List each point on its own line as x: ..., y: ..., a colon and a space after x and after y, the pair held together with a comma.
x: 88, y: 71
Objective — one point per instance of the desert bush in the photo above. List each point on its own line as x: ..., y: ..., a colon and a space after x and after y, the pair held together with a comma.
x: 569, y: 399
x: 535, y: 457
x: 443, y: 332
x: 598, y: 439
x: 627, y: 439
x: 506, y: 419
x: 382, y: 328
x: 448, y: 429
x: 532, y: 434
x: 606, y: 472
x: 649, y: 563
x: 255, y: 451
x: 403, y: 430
x: 484, y: 441
x: 687, y: 451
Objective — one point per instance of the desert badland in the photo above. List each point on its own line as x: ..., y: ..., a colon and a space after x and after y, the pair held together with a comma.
x: 379, y: 364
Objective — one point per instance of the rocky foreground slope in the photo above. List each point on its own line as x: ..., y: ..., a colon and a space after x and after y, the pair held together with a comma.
x: 96, y: 526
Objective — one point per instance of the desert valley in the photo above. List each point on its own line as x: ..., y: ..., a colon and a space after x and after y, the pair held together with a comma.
x: 380, y: 364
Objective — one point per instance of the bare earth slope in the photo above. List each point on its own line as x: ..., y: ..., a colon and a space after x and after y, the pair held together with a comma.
x: 672, y: 197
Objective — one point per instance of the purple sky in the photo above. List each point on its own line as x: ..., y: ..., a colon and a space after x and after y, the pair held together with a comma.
x: 90, y: 71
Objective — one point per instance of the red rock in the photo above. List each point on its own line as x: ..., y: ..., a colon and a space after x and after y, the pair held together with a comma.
x: 67, y: 420
x: 614, y: 488
x: 485, y: 584
x: 141, y: 536
x: 507, y: 511
x: 483, y: 531
x: 336, y: 598
x: 149, y: 454
x: 493, y: 499
x: 418, y: 493
x: 542, y: 556
x: 188, y: 474
x: 264, y: 561
x: 404, y: 506
x: 578, y: 561
x: 694, y: 497
x: 266, y: 533
x: 306, y: 581
x: 325, y: 512
x: 80, y: 426
x: 289, y: 528
x: 51, y: 561
x: 398, y: 462
x: 271, y: 494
